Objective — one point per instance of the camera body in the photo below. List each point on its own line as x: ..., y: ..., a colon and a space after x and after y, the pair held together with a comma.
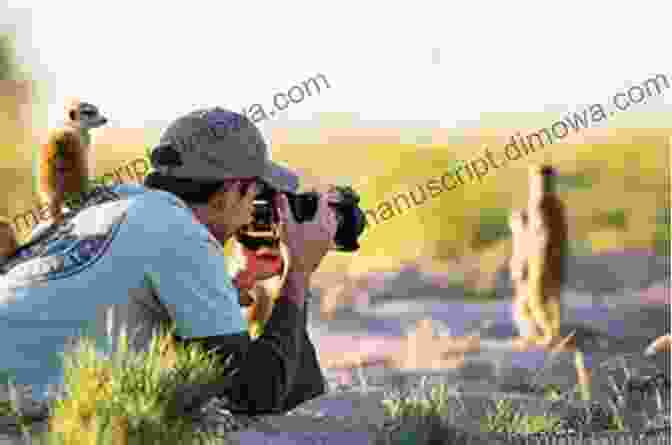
x: 262, y: 231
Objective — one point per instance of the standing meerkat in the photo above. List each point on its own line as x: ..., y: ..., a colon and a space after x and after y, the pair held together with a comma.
x: 63, y: 164
x: 537, y: 263
x: 60, y: 167
x: 546, y: 245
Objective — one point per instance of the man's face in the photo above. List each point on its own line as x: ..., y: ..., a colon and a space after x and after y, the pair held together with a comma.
x: 231, y: 207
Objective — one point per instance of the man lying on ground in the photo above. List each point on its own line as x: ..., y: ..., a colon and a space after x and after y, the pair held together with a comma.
x: 145, y: 256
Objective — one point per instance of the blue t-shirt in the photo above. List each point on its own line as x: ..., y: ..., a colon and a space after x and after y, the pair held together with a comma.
x: 114, y: 258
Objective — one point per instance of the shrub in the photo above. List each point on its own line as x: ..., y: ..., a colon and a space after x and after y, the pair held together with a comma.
x: 493, y: 225
x: 124, y: 398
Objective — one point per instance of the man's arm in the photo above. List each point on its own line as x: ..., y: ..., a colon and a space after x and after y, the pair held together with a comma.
x: 261, y: 372
x: 200, y: 295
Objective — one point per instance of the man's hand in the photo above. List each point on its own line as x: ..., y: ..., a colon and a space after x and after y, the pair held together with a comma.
x: 305, y: 245
x: 309, y: 242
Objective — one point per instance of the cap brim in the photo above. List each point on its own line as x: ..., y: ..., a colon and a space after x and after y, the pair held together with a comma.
x: 281, y: 178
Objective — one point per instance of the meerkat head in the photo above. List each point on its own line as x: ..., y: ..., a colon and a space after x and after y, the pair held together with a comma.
x: 542, y: 180
x: 84, y: 115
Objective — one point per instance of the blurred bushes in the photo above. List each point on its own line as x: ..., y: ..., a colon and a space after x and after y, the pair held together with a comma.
x: 578, y: 181
x: 493, y: 226
x: 8, y: 65
x: 611, y: 218
x: 605, y: 209
x: 613, y: 192
x: 15, y: 95
x: 662, y: 234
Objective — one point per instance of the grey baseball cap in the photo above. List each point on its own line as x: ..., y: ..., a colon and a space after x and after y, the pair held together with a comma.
x: 214, y: 144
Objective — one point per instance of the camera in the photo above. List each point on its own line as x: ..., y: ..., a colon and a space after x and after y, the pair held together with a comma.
x: 262, y: 231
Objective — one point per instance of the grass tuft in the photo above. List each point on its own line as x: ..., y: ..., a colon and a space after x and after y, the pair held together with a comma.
x: 125, y: 398
x: 504, y: 419
x: 429, y: 406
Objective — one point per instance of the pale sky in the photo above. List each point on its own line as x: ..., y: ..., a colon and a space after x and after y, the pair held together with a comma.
x: 446, y: 62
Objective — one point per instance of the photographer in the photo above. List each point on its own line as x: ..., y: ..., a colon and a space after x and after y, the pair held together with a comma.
x: 264, y: 372
x: 141, y: 257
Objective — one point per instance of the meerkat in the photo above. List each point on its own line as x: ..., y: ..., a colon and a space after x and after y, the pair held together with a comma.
x: 61, y: 166
x: 546, y: 244
x: 64, y: 162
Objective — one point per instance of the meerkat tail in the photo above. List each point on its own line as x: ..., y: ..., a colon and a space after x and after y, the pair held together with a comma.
x: 8, y: 241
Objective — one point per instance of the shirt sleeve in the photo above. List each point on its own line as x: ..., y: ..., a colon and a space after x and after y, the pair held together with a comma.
x: 186, y: 268
x: 277, y: 371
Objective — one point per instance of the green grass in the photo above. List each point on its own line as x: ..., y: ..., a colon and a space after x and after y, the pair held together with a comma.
x: 505, y: 419
x: 580, y: 247
x: 493, y: 225
x: 480, y: 295
x: 127, y: 397
x: 617, y: 218
x: 429, y: 408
